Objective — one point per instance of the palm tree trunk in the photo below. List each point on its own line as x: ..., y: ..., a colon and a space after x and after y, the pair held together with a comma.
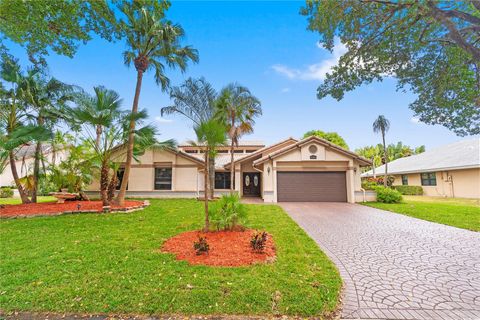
x: 104, y: 183
x: 13, y: 167
x: 385, y: 159
x: 131, y: 141
x: 36, y: 170
x: 232, y: 169
x: 211, y: 175
x: 206, y: 185
x: 99, y: 135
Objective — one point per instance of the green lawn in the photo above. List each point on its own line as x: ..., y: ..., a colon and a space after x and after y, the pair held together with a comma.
x: 461, y: 213
x: 92, y: 263
x: 18, y: 200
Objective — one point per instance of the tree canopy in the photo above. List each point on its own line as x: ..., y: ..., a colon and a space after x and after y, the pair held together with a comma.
x: 333, y: 137
x: 56, y: 25
x: 394, y: 151
x: 431, y: 47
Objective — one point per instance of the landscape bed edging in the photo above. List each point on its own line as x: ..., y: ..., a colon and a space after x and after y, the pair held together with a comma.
x: 145, y: 204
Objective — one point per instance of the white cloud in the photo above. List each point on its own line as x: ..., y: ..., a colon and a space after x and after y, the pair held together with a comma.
x: 316, y: 71
x: 285, y: 90
x: 415, y: 120
x: 162, y: 120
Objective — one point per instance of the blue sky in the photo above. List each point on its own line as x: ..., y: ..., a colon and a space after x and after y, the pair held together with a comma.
x: 266, y: 47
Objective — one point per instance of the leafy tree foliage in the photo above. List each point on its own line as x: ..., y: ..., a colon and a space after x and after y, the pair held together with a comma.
x: 394, y: 151
x: 333, y: 137
x: 431, y: 47
x: 57, y: 25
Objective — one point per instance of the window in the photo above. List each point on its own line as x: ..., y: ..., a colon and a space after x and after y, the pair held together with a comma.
x: 191, y: 151
x: 222, y: 151
x: 249, y: 151
x: 163, y: 178
x: 429, y: 179
x: 313, y: 157
x: 120, y: 173
x: 238, y: 151
x: 222, y: 180
x: 404, y: 180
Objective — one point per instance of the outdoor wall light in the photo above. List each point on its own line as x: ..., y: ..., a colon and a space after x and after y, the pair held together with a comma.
x: 268, y: 170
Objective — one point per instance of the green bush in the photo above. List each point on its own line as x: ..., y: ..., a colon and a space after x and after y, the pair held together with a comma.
x: 228, y: 212
x: 6, y: 192
x: 409, y: 190
x: 388, y: 195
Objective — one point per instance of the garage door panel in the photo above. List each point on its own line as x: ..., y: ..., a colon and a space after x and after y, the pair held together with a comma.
x: 311, y: 186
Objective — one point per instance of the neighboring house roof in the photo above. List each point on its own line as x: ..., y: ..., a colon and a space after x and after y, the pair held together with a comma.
x: 463, y: 154
x: 241, y: 143
x: 316, y: 139
x: 28, y: 150
x: 258, y: 152
x: 186, y: 155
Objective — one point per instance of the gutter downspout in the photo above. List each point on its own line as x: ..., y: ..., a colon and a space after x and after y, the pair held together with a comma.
x: 364, y: 196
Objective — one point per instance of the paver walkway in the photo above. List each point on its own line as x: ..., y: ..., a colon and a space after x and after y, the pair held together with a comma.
x: 394, y: 266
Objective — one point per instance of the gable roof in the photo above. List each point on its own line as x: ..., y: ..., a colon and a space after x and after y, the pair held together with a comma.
x: 252, y: 155
x: 318, y: 140
x: 462, y: 154
x: 186, y: 155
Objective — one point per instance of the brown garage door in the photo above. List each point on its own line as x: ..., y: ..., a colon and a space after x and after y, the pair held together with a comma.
x: 312, y: 186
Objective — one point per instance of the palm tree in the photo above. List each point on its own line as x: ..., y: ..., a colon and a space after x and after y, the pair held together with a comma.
x: 152, y: 42
x: 195, y: 99
x: 237, y: 108
x: 382, y: 125
x: 45, y: 100
x: 210, y: 134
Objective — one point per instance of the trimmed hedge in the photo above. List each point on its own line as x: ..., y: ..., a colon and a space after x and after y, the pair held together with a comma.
x: 388, y: 195
x: 6, y: 192
x: 409, y: 190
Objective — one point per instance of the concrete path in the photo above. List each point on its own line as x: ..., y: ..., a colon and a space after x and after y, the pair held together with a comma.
x: 394, y: 266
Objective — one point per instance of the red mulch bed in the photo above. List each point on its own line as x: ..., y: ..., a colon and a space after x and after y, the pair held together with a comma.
x: 53, y: 208
x: 227, y: 248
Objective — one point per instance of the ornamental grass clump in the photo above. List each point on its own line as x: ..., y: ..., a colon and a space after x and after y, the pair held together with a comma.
x: 258, y: 241
x: 201, y: 246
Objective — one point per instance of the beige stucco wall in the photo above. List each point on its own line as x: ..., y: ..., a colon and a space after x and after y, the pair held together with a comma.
x: 185, y: 173
x: 454, y: 183
x: 25, y: 167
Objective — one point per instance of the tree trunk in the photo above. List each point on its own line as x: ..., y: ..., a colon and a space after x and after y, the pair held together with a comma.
x: 211, y: 175
x: 131, y: 141
x: 385, y: 159
x: 206, y: 185
x: 36, y: 170
x: 99, y: 136
x: 13, y: 167
x: 111, y: 187
x: 232, y: 170
x: 104, y: 183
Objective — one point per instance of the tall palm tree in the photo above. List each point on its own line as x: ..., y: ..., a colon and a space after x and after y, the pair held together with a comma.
x: 153, y: 42
x: 195, y: 99
x: 45, y: 100
x: 210, y: 134
x: 237, y: 108
x: 382, y: 125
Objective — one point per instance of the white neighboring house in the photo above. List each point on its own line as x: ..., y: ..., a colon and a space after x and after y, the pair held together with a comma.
x: 25, y: 156
x: 452, y: 170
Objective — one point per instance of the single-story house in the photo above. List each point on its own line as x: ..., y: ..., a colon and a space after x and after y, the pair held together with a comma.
x: 452, y: 170
x: 311, y: 169
x: 24, y: 157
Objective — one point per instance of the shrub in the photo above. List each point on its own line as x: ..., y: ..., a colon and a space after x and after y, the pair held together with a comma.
x: 371, y: 182
x: 201, y: 246
x: 258, y: 241
x: 409, y: 190
x: 6, y: 192
x: 388, y: 195
x: 228, y: 212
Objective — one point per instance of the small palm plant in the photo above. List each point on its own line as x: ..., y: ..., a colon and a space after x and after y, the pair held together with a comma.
x: 210, y: 134
x: 382, y: 125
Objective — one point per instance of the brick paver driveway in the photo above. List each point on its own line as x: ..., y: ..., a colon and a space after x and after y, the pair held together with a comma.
x: 394, y: 266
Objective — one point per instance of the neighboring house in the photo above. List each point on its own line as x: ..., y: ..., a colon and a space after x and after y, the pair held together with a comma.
x: 452, y: 170
x: 311, y: 169
x: 25, y: 158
